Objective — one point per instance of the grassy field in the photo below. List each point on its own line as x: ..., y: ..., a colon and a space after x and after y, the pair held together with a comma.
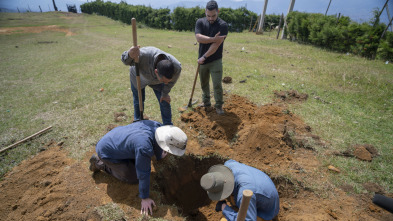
x: 52, y: 78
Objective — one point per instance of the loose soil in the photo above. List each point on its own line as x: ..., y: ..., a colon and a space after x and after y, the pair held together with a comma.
x: 291, y: 95
x: 51, y: 186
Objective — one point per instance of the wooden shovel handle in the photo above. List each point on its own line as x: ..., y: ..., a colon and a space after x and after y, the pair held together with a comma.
x: 134, y: 37
x: 247, y: 194
x: 136, y: 60
x: 193, y: 86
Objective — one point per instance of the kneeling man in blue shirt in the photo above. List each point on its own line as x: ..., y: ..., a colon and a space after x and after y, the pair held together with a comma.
x: 233, y: 178
x: 125, y: 152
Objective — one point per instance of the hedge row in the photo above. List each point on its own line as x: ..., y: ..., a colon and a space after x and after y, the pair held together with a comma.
x: 181, y: 19
x: 341, y: 34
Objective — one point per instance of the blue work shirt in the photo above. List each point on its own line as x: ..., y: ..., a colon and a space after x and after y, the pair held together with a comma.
x: 264, y: 203
x: 134, y: 141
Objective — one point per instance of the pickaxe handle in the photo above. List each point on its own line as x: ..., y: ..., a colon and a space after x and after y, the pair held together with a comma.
x: 193, y: 87
x: 136, y: 60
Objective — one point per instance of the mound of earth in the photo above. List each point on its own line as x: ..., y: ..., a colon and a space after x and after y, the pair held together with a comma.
x: 291, y: 95
x: 50, y: 186
x: 364, y: 152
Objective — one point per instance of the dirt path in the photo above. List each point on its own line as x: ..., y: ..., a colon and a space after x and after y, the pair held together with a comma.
x: 51, y: 186
x: 35, y: 29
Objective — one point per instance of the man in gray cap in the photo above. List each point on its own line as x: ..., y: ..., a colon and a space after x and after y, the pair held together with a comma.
x: 233, y: 178
x: 125, y: 152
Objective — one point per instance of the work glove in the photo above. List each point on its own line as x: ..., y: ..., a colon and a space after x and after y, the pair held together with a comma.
x: 219, y: 205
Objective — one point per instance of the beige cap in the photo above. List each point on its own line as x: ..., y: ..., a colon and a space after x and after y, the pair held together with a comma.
x: 171, y: 139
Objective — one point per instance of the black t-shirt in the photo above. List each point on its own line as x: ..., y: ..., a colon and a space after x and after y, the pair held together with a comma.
x: 203, y: 27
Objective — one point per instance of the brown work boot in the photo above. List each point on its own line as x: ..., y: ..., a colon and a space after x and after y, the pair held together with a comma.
x: 93, y: 160
x: 219, y: 111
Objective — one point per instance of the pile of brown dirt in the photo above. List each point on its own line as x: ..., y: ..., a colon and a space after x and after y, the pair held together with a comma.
x: 50, y: 186
x: 365, y: 152
x: 291, y: 95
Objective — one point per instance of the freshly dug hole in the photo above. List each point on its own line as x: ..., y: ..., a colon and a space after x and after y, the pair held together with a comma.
x: 178, y: 179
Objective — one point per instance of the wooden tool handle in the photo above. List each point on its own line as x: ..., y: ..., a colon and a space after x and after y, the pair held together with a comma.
x: 193, y: 87
x: 134, y: 36
x: 247, y: 194
x: 136, y: 60
x: 29, y: 137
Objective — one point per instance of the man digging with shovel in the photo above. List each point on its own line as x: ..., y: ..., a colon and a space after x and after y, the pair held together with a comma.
x: 125, y: 152
x: 157, y: 69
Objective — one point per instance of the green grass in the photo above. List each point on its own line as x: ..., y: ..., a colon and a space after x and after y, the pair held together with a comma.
x: 110, y: 211
x: 58, y: 84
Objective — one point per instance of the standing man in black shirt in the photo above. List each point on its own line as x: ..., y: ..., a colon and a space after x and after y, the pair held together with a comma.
x: 211, y: 32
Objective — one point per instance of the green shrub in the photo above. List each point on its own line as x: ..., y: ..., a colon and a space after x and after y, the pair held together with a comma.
x: 182, y: 19
x: 385, y: 49
x: 340, y: 35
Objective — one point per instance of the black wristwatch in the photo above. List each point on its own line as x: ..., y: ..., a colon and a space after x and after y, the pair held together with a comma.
x: 204, y: 57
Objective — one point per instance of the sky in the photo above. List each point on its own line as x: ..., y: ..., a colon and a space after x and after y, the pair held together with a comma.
x: 357, y: 10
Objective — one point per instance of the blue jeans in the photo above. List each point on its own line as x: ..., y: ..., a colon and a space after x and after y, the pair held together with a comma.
x: 165, y: 107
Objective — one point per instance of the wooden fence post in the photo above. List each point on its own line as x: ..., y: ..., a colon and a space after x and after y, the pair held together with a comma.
x: 262, y: 20
x: 379, y: 14
x: 250, y: 24
x: 279, y: 25
x: 387, y: 11
x: 386, y: 29
x: 328, y: 7
x: 284, y: 35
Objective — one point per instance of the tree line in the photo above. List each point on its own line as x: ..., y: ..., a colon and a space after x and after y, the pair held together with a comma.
x: 181, y: 19
x: 331, y: 32
x: 342, y: 35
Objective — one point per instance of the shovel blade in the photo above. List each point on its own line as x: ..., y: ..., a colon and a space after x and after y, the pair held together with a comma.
x: 190, y: 104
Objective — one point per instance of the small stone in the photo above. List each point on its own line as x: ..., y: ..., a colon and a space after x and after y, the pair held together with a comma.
x: 332, y: 168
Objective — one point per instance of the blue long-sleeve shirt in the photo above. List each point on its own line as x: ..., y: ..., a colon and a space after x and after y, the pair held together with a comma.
x: 134, y: 141
x: 264, y: 202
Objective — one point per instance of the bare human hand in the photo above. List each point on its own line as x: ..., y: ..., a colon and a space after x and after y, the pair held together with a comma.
x: 201, y: 60
x: 218, y: 38
x: 134, y: 52
x: 146, y: 206
x: 166, y: 98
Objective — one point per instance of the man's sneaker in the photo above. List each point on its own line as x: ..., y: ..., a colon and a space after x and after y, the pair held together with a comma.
x: 219, y: 110
x: 204, y: 105
x: 93, y: 160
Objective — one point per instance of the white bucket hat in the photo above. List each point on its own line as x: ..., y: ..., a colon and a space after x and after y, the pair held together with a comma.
x: 171, y: 139
x: 218, y: 182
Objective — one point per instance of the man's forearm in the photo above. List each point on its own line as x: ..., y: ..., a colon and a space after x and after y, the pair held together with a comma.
x: 212, y: 49
x: 203, y: 39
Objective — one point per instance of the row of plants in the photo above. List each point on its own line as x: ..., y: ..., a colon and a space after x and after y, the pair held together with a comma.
x: 341, y: 34
x: 338, y: 34
x: 181, y: 19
